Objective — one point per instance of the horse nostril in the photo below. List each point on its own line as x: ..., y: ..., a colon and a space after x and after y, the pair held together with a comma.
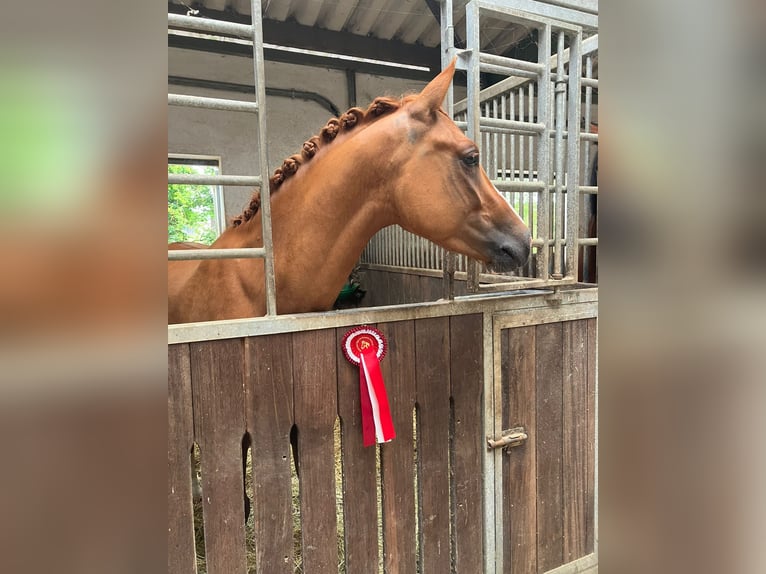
x: 518, y: 251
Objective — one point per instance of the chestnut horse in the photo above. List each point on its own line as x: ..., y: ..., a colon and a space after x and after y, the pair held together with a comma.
x: 399, y: 162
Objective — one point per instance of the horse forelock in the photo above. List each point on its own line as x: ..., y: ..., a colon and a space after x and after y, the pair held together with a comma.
x: 380, y: 106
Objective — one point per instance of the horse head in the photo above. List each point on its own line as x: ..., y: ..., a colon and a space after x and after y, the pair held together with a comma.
x: 442, y: 192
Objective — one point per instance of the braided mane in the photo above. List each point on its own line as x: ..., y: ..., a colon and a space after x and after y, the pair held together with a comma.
x: 379, y: 107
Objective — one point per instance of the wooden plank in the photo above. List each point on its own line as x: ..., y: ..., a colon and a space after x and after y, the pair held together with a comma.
x: 397, y: 457
x: 466, y: 380
x: 405, y: 281
x: 591, y: 439
x: 432, y: 355
x: 548, y: 360
x: 376, y: 285
x: 315, y: 395
x: 181, y: 551
x: 520, y: 463
x: 360, y: 507
x: 575, y: 429
x: 435, y: 288
x: 269, y: 411
x: 217, y: 369
x: 385, y: 287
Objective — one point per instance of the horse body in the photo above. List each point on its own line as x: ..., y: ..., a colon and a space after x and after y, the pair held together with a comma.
x: 409, y: 166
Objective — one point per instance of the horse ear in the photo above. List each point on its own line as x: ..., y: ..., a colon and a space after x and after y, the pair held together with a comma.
x: 432, y: 96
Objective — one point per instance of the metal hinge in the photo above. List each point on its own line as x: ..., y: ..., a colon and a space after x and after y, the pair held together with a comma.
x: 508, y: 439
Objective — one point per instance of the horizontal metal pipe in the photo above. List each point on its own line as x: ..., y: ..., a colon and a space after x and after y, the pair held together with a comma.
x: 506, y: 71
x: 518, y: 186
x: 589, y: 82
x: 195, y: 254
x: 210, y: 25
x: 592, y: 189
x: 511, y: 63
x: 584, y: 136
x: 463, y: 125
x: 563, y: 241
x: 512, y: 303
x: 588, y: 6
x: 250, y: 89
x: 524, y: 10
x: 512, y: 125
x: 200, y: 179
x: 212, y: 103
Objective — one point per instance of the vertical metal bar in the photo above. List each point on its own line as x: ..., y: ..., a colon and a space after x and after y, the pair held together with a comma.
x: 409, y: 251
x: 573, y: 155
x: 495, y: 143
x: 503, y: 141
x: 583, y: 201
x: 473, y: 110
x: 406, y: 253
x: 528, y: 196
x: 448, y: 48
x: 559, y: 155
x: 389, y: 254
x: 491, y: 346
x: 586, y: 112
x: 485, y: 155
x: 400, y: 232
x: 544, y: 149
x: 531, y: 116
x: 522, y: 139
x: 512, y: 106
x: 263, y: 158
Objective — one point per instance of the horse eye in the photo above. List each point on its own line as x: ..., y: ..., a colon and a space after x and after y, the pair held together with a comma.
x: 471, y: 159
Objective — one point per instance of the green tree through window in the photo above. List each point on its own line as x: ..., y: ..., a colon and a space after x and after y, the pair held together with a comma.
x: 191, y: 208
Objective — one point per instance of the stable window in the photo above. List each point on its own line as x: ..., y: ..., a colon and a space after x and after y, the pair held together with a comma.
x: 195, y: 211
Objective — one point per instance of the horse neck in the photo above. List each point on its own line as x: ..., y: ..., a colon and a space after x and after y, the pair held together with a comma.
x: 323, y: 217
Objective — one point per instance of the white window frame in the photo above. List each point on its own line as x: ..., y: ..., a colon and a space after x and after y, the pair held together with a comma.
x: 217, y: 190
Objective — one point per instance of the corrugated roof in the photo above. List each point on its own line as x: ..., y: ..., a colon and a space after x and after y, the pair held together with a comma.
x: 406, y: 21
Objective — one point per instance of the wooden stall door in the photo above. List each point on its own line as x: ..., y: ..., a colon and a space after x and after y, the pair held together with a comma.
x: 547, y: 500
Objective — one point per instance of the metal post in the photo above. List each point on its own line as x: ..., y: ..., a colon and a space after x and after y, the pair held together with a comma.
x: 573, y: 156
x: 586, y: 113
x: 473, y: 113
x: 544, y: 150
x: 263, y: 158
x: 559, y: 92
x: 448, y: 49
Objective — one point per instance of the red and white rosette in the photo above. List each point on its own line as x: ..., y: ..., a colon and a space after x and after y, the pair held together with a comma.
x: 365, y: 347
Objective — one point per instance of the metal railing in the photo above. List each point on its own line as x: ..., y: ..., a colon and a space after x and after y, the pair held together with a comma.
x: 522, y: 126
x: 252, y: 32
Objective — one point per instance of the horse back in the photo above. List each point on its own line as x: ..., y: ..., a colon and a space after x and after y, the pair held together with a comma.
x: 179, y: 273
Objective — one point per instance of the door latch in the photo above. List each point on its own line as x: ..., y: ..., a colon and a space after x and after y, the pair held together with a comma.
x: 508, y: 439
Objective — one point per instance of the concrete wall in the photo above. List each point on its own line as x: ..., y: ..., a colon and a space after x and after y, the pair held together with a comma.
x: 232, y: 135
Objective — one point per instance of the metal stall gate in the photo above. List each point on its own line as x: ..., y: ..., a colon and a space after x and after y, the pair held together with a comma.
x: 533, y: 132
x: 254, y: 33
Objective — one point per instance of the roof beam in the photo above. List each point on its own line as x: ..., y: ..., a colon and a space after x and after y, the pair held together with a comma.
x: 294, y: 35
x: 272, y: 55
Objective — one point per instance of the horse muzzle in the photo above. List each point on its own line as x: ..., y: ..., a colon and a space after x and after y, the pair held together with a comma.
x: 510, y: 252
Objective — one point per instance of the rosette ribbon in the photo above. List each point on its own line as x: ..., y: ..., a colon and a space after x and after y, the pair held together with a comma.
x: 365, y: 347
